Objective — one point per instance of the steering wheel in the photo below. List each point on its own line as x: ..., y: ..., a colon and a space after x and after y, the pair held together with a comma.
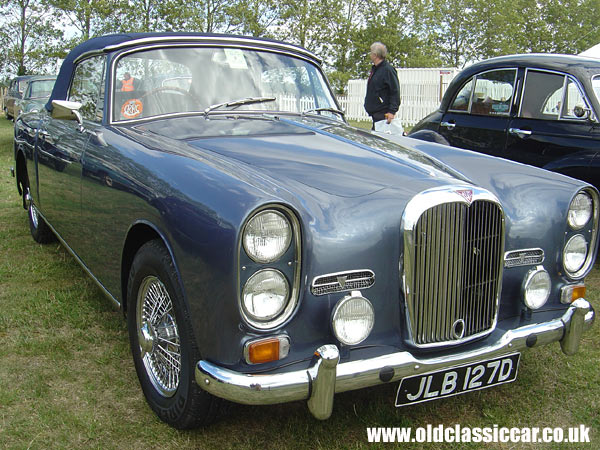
x: 173, y: 89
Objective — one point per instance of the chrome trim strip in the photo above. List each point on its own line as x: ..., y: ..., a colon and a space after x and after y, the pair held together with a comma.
x: 82, y: 264
x: 309, y: 384
x: 524, y: 257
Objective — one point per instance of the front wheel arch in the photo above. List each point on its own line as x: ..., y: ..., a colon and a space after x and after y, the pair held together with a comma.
x: 139, y: 234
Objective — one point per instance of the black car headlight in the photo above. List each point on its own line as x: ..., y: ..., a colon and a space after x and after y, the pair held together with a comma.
x: 269, y: 267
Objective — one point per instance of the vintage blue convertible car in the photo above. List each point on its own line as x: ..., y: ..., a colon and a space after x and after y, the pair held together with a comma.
x: 264, y: 251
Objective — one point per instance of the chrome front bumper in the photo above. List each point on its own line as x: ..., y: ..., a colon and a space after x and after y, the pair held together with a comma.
x: 319, y: 383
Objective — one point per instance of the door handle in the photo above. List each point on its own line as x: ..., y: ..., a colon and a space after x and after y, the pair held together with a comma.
x: 449, y: 125
x: 521, y: 133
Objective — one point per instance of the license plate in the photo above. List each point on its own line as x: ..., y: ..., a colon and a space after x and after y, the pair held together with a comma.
x: 457, y: 380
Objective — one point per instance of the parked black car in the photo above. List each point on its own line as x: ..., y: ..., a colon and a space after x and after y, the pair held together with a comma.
x: 538, y: 109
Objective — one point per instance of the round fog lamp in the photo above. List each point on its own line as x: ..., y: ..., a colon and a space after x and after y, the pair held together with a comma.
x: 537, y: 288
x: 580, y: 211
x: 265, y: 295
x: 353, y: 318
x: 575, y: 253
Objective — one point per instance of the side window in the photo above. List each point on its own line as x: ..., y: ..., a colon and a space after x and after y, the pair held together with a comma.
x: 573, y: 99
x: 542, y: 96
x: 87, y: 88
x: 461, y: 102
x: 493, y: 92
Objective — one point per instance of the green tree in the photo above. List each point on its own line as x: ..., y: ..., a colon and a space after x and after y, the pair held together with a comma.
x: 28, y: 36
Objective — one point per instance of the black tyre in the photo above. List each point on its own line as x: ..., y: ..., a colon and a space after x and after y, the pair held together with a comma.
x: 40, y: 231
x: 162, y: 343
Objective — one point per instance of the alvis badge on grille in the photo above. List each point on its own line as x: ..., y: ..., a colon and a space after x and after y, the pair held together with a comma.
x: 467, y: 194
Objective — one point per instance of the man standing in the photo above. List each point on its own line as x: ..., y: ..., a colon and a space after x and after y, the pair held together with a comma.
x: 383, y: 91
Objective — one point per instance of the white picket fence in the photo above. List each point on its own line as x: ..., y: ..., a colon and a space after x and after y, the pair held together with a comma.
x: 421, y: 91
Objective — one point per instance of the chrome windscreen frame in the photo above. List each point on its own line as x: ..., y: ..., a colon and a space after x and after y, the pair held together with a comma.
x: 414, y: 209
x: 141, y: 45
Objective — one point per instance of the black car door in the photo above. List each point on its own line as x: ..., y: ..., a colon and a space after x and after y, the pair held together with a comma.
x: 478, y: 116
x: 552, y: 128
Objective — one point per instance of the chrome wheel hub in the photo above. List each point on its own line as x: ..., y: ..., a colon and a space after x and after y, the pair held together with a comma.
x: 33, y: 213
x: 158, y: 336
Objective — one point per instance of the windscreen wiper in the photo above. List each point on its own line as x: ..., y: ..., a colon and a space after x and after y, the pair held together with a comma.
x: 333, y: 110
x: 243, y: 101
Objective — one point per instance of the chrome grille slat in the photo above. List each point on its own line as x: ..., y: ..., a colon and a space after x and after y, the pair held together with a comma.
x: 455, y: 271
x: 330, y: 283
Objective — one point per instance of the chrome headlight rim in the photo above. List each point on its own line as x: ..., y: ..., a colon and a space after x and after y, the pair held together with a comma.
x: 570, y: 242
x: 355, y: 295
x: 251, y: 317
x: 294, y: 263
x: 590, y: 232
x: 529, y: 278
x: 288, y: 239
x: 571, y: 220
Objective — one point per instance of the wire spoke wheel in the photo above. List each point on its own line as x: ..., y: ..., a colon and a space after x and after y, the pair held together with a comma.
x: 158, y: 336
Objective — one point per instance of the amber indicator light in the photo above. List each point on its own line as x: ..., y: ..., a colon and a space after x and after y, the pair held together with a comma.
x: 578, y: 292
x: 264, y: 351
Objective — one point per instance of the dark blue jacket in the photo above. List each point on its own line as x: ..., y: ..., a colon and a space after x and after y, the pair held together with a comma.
x: 383, y: 90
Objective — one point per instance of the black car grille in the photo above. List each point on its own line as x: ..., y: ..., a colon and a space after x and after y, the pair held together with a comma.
x: 455, y: 275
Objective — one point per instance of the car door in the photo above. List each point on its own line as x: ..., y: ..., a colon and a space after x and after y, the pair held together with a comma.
x: 552, y: 128
x: 478, y: 116
x: 61, y: 145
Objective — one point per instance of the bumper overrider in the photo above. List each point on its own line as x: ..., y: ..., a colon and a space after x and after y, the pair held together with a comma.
x: 327, y: 376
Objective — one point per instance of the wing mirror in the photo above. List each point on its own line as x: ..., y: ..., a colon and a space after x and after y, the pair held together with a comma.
x: 582, y: 112
x: 65, y: 110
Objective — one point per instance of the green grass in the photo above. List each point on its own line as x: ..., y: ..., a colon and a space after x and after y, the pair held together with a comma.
x: 67, y: 379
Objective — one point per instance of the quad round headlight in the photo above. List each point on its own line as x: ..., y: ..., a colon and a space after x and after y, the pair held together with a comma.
x: 353, y: 318
x: 537, y: 288
x: 265, y: 295
x: 575, y: 253
x: 267, y: 236
x: 580, y: 211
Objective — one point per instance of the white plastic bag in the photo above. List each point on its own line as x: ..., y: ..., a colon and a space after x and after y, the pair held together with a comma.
x: 394, y: 127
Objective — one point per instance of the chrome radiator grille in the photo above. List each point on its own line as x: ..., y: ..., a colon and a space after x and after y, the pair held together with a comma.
x: 455, y: 272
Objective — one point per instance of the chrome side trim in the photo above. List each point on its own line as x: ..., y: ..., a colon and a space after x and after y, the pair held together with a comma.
x: 349, y: 280
x: 317, y: 385
x: 524, y: 257
x: 81, y: 263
